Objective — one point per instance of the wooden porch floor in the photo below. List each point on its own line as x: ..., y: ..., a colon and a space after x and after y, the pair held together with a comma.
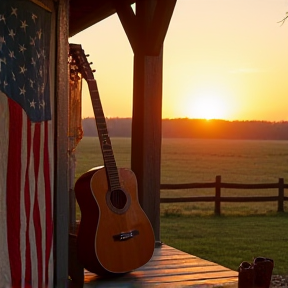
x: 170, y: 267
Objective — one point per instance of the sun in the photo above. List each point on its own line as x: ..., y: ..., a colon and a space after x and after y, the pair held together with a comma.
x: 207, y: 104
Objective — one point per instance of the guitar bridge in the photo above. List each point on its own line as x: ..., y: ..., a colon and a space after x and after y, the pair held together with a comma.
x: 126, y: 235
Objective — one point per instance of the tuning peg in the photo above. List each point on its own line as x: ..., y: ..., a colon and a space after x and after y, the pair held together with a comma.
x: 90, y: 63
x: 94, y: 70
x: 87, y: 55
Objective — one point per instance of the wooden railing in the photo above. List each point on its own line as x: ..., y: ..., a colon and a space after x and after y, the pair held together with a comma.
x: 280, y: 198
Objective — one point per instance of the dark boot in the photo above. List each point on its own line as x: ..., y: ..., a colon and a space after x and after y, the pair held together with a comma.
x: 246, y: 275
x: 263, y: 268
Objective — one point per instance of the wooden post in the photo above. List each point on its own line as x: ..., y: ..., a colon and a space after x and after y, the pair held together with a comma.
x: 61, y: 210
x: 146, y: 134
x: 217, y: 210
x: 146, y: 30
x: 281, y: 195
x: 147, y: 118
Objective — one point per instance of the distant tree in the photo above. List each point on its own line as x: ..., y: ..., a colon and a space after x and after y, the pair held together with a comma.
x: 198, y: 128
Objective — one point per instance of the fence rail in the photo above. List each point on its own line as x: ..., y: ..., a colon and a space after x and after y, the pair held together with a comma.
x: 280, y: 185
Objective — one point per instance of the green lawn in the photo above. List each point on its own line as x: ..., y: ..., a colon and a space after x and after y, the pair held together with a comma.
x: 229, y: 240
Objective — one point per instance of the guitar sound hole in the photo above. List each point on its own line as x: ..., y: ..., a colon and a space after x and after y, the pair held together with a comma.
x: 118, y: 199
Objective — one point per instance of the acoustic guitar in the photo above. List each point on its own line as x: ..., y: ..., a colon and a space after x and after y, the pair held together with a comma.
x: 115, y: 235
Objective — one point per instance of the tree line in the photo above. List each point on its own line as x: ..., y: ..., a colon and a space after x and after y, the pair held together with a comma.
x: 198, y: 128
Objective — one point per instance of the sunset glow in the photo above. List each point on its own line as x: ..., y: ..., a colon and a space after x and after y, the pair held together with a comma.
x: 215, y: 65
x: 206, y: 104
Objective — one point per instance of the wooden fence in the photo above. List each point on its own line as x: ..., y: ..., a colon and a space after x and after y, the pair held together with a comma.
x: 218, y: 198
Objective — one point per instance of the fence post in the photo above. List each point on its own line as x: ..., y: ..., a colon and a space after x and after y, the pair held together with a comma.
x: 218, y: 195
x: 281, y: 195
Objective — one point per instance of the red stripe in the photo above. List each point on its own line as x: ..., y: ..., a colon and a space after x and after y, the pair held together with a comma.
x: 36, y: 212
x: 48, y: 200
x: 28, y: 272
x: 13, y: 191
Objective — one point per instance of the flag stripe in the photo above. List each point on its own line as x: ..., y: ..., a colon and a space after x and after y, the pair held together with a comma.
x: 27, y: 131
x: 5, y: 273
x: 32, y: 237
x: 36, y: 212
x: 41, y: 202
x: 49, y: 158
x: 23, y: 217
x: 13, y: 189
x: 48, y: 202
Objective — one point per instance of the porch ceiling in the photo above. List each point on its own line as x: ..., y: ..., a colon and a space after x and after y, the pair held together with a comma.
x: 86, y: 13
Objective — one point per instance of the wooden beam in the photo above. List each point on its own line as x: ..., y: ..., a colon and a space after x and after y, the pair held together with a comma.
x: 128, y: 21
x: 150, y: 36
x: 159, y: 26
x: 61, y: 203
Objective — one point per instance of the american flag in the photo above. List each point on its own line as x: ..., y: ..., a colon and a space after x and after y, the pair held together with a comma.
x: 26, y: 146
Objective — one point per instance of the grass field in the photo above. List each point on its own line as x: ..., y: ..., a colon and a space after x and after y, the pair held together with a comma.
x: 192, y: 160
x: 245, y: 230
x: 229, y: 240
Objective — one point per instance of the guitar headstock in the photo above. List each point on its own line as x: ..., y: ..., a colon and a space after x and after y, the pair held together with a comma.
x: 80, y: 60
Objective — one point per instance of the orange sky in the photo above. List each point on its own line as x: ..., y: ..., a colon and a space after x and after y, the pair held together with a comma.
x: 223, y: 59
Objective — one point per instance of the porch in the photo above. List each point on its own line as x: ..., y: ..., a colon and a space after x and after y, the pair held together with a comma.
x: 168, y: 267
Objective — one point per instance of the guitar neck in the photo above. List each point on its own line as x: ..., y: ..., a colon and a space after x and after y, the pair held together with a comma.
x: 105, y: 142
x: 98, y: 111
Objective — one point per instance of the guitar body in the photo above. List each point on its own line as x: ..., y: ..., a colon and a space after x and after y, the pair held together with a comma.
x: 112, y: 238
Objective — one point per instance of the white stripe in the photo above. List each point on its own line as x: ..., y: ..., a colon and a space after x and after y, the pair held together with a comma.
x: 23, y: 218
x: 41, y: 201
x: 5, y: 276
x: 32, y: 239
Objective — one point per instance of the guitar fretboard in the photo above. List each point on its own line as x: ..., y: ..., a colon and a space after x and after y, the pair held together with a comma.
x: 105, y: 142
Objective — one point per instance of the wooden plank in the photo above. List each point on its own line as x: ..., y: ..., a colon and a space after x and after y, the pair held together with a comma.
x: 180, y: 270
x: 170, y: 257
x: 179, y: 263
x: 176, y: 271
x: 227, y: 283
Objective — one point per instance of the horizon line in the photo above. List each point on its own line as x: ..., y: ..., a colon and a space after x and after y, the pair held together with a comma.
x: 203, y: 119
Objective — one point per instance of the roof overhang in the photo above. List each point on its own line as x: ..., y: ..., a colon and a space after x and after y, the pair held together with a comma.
x: 86, y: 13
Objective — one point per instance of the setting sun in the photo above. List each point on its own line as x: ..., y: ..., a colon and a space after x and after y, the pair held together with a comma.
x: 207, y: 104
